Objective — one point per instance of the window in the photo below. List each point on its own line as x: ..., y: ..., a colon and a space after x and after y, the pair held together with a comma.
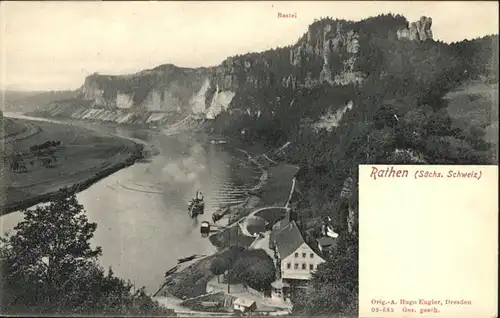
x: 303, y: 255
x: 296, y: 254
x: 296, y: 266
x: 311, y: 255
x: 311, y: 267
x: 289, y: 265
x: 303, y: 265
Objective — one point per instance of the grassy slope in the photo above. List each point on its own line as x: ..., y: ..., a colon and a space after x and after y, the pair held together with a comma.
x: 83, y: 155
x: 8, y: 127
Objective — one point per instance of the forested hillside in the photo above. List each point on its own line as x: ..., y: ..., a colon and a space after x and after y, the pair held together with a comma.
x: 399, y: 115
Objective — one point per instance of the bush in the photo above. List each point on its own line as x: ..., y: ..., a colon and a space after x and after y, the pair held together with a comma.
x: 254, y: 268
x: 221, y: 262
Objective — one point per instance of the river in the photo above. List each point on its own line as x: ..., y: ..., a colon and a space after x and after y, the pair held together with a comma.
x: 141, y: 211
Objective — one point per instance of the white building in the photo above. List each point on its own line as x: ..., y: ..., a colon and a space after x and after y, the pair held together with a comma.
x: 244, y: 305
x: 295, y: 259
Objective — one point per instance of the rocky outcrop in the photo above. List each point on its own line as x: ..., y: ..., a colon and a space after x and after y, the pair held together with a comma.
x: 124, y: 100
x: 331, y: 41
x: 240, y: 73
x: 332, y: 118
x: 198, y: 100
x: 333, y: 45
x: 326, y: 74
x: 166, y: 88
x: 417, y: 31
x: 329, y: 52
x: 219, y: 103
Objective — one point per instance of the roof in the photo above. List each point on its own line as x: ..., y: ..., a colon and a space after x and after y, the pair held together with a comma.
x: 288, y: 240
x: 245, y: 302
x: 327, y: 241
x: 277, y: 227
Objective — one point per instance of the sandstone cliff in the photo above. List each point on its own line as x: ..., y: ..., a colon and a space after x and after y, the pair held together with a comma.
x: 164, y: 88
x: 330, y: 52
x: 327, y: 41
x: 417, y: 31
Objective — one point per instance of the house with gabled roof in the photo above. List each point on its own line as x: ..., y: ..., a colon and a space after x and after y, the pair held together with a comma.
x: 244, y: 305
x: 296, y: 260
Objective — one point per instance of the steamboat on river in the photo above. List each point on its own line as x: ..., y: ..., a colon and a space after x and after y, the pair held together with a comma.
x: 197, y: 205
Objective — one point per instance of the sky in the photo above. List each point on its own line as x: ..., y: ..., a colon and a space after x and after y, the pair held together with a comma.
x: 54, y: 45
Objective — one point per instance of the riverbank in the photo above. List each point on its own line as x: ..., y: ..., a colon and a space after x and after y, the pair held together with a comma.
x: 271, y: 192
x: 77, y: 158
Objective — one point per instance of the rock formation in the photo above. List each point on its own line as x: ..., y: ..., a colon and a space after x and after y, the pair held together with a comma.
x: 326, y: 74
x: 418, y: 31
x: 322, y: 42
x: 332, y: 118
x: 329, y: 52
x: 168, y: 88
x: 165, y: 88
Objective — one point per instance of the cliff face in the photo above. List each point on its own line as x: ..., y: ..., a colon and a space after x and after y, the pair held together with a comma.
x: 152, y: 97
x: 417, y: 31
x: 165, y: 88
x: 330, y: 40
x: 329, y: 52
x: 326, y: 53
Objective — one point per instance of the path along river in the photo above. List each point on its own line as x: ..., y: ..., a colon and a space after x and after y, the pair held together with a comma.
x: 141, y: 211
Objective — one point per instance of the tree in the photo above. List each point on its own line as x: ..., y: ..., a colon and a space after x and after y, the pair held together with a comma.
x: 335, y: 283
x: 254, y: 268
x: 48, y: 266
x: 52, y: 242
x: 218, y: 266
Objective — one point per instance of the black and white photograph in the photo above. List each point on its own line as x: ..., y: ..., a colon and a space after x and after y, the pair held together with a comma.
x: 200, y: 158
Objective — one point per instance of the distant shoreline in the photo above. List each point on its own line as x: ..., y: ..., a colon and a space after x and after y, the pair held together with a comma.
x: 75, y: 188
x: 78, y: 177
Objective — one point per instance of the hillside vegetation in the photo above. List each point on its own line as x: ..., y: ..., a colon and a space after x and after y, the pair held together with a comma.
x: 400, y: 115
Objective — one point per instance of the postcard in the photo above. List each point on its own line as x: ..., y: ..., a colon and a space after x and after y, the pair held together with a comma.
x: 249, y: 158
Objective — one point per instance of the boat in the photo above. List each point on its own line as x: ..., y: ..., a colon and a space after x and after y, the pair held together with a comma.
x: 171, y: 271
x: 219, y: 214
x: 186, y: 259
x: 196, y: 206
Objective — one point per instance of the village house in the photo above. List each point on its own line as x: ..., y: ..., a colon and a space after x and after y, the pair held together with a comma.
x: 244, y: 305
x: 296, y: 260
